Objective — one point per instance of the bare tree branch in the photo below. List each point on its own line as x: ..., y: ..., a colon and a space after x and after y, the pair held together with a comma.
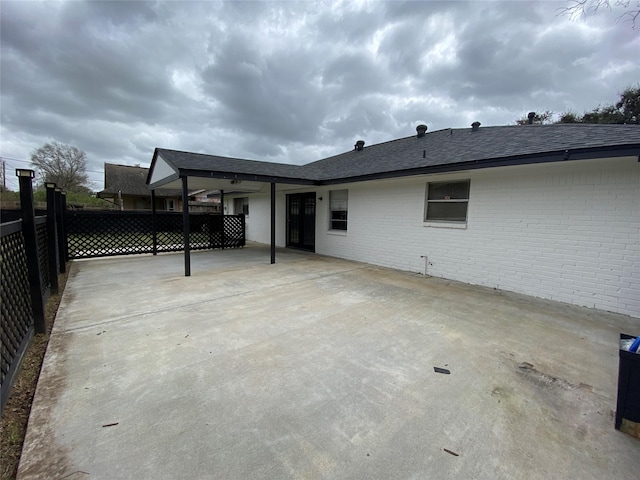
x: 580, y: 9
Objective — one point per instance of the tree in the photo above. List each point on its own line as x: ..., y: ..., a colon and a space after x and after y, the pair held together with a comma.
x: 570, y: 117
x: 629, y: 105
x: 625, y: 111
x: 64, y: 165
x: 536, y: 118
x: 582, y: 8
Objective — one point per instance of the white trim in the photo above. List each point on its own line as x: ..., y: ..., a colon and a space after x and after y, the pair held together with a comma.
x: 161, y: 170
x: 460, y: 226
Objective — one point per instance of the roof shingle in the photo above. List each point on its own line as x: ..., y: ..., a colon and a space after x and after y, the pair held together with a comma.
x: 442, y: 149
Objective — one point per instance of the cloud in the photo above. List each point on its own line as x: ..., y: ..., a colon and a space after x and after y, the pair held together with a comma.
x: 290, y: 81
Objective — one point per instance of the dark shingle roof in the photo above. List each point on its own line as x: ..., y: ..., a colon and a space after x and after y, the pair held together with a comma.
x: 462, y: 145
x: 198, y: 161
x: 441, y: 150
x: 129, y: 181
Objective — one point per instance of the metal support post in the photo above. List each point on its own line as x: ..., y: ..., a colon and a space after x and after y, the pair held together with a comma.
x: 273, y: 223
x: 154, y: 222
x: 185, y: 227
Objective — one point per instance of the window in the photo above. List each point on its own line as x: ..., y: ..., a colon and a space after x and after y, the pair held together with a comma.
x: 447, y: 201
x: 241, y: 205
x: 338, y: 203
x: 171, y: 205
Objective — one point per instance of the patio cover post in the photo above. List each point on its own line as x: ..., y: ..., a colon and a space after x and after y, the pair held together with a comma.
x: 222, y: 211
x: 154, y: 223
x: 273, y: 223
x: 185, y: 227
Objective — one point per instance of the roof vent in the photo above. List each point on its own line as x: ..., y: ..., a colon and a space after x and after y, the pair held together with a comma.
x: 421, y: 129
x: 531, y: 116
x: 359, y: 145
x: 475, y: 126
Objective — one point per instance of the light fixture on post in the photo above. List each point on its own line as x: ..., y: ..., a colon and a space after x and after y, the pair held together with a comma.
x: 25, y: 172
x: 50, y: 185
x: 25, y: 184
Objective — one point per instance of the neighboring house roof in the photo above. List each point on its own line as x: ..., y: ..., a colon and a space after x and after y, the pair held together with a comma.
x: 438, y: 151
x: 129, y: 180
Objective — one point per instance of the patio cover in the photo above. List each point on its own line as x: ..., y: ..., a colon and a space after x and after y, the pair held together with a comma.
x: 172, y: 169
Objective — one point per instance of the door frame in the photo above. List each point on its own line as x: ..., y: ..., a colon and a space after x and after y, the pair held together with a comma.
x: 301, y: 221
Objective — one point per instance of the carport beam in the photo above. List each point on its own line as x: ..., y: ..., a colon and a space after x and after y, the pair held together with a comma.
x: 273, y: 223
x: 185, y: 227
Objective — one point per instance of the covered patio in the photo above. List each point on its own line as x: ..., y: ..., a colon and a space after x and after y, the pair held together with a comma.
x: 319, y: 368
x: 171, y: 169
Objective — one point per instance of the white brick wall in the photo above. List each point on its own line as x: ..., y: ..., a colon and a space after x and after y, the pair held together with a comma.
x: 258, y: 222
x: 567, y: 232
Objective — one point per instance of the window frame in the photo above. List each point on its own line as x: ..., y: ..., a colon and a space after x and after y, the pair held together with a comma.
x: 332, y: 202
x: 450, y: 201
x: 245, y: 206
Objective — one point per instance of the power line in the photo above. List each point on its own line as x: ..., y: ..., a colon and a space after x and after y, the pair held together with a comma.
x: 27, y: 161
x: 14, y: 159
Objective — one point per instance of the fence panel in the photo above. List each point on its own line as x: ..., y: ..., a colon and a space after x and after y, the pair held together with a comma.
x: 102, y: 234
x: 108, y: 233
x: 17, y: 326
x: 234, y: 231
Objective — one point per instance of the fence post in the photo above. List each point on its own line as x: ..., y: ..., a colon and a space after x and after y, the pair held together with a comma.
x: 65, y: 244
x: 244, y: 232
x: 154, y: 222
x: 60, y: 224
x: 31, y: 247
x: 52, y: 236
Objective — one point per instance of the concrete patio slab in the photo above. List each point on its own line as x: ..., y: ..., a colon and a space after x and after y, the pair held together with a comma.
x: 318, y: 368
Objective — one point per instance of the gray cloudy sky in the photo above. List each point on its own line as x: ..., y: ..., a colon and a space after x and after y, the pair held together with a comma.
x: 290, y: 81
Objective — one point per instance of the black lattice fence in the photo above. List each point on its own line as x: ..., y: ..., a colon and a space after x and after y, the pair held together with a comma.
x: 108, y: 233
x: 17, y: 325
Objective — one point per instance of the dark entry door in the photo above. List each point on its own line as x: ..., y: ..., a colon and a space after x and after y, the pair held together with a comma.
x: 301, y: 221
